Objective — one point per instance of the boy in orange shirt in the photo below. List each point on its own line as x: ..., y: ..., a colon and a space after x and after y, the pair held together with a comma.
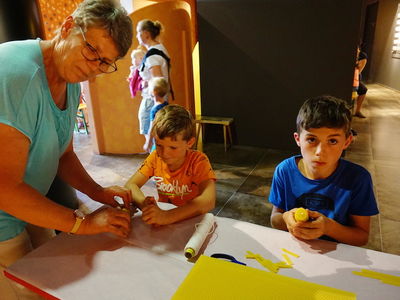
x: 184, y: 177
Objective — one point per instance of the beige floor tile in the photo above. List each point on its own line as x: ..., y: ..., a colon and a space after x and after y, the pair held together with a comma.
x: 390, y: 236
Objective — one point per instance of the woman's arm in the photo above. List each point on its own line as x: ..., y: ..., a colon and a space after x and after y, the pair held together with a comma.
x: 25, y: 203
x: 71, y: 171
x: 361, y: 64
x: 155, y: 71
x: 20, y: 199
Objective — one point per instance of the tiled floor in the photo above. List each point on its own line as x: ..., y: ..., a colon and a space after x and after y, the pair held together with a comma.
x: 244, y: 173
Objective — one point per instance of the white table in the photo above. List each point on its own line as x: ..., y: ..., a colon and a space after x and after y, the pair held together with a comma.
x: 150, y: 264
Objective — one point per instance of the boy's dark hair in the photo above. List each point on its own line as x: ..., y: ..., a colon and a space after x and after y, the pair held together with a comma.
x: 172, y: 120
x: 324, y: 111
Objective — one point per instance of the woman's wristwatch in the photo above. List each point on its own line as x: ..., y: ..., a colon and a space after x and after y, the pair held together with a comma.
x: 79, y: 217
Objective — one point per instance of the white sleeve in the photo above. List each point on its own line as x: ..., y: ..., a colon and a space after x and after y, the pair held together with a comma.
x: 154, y: 60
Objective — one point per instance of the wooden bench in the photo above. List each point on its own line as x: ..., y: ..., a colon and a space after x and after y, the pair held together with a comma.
x: 201, y: 121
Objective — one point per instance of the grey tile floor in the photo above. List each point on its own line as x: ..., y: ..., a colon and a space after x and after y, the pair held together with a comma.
x: 245, y: 173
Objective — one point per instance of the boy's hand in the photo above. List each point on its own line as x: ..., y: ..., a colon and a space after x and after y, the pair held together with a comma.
x: 311, y: 229
x: 289, y: 219
x: 149, y: 201
x: 153, y: 215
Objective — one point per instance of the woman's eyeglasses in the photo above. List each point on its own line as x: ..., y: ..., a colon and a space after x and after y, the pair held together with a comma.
x: 90, y: 53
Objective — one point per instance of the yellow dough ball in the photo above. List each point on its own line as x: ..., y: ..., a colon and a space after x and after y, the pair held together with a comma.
x: 301, y: 214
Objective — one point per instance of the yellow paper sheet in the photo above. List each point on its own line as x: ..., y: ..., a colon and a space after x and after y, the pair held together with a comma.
x: 212, y: 278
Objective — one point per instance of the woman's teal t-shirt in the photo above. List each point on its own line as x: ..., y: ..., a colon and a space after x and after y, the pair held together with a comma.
x: 27, y: 105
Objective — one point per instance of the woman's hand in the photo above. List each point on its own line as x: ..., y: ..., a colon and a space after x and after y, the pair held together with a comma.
x: 108, y: 196
x: 107, y: 219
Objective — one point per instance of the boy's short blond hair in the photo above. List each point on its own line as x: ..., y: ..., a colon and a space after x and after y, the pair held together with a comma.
x: 172, y: 120
x: 159, y: 86
x: 138, y: 52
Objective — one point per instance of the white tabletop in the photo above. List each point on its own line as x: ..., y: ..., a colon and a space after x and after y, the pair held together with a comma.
x: 150, y: 264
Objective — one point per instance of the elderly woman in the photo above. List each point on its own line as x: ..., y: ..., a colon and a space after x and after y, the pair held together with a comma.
x: 155, y: 64
x: 39, y: 97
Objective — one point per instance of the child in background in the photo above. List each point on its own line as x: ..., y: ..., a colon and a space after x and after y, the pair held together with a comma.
x: 159, y: 88
x: 184, y: 177
x: 134, y: 79
x: 362, y: 89
x: 356, y: 83
x: 338, y: 194
x: 354, y: 95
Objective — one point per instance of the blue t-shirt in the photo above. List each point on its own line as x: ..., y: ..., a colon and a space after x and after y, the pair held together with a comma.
x: 155, y: 109
x: 153, y: 113
x: 27, y: 105
x: 348, y: 191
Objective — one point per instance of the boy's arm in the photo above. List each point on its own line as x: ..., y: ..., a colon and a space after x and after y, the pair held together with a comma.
x: 283, y: 220
x: 277, y: 221
x: 356, y: 233
x: 134, y: 184
x: 201, y: 204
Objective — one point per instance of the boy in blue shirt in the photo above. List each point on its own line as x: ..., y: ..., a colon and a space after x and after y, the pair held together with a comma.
x: 159, y: 88
x: 338, y: 194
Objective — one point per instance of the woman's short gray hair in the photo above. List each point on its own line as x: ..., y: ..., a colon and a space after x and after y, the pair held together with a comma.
x: 109, y: 15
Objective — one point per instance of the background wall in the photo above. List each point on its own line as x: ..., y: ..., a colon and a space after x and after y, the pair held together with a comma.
x: 19, y: 20
x: 54, y: 12
x: 384, y: 68
x: 260, y: 59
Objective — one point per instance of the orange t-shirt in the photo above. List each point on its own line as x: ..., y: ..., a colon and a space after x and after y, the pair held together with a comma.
x: 179, y: 186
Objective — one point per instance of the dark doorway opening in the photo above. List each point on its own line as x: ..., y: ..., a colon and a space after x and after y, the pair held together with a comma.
x: 367, y: 41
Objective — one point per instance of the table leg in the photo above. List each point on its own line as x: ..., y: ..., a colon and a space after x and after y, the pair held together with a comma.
x: 225, y: 138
